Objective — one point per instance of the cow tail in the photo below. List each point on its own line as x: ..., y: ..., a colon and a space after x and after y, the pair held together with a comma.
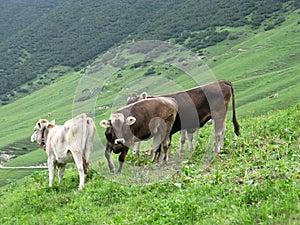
x: 234, y: 120
x: 84, y: 130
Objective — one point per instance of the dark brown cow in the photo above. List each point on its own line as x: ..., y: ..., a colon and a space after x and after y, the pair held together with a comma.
x: 140, y: 121
x: 199, y: 105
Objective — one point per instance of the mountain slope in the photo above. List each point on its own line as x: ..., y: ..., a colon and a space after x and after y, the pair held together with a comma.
x: 262, y: 65
x: 256, y: 74
x: 16, y: 15
x: 254, y: 181
x: 76, y: 32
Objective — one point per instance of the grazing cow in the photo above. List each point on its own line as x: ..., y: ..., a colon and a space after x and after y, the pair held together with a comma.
x: 200, y: 105
x: 72, y: 141
x: 136, y: 148
x: 140, y: 121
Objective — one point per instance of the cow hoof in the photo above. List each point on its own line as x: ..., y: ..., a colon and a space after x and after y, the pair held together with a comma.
x: 216, y: 152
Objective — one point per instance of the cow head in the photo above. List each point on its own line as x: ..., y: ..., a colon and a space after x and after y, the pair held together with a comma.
x: 134, y: 97
x: 40, y: 131
x: 118, y: 128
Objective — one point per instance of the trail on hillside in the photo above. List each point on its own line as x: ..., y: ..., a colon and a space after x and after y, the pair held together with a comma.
x: 23, y: 167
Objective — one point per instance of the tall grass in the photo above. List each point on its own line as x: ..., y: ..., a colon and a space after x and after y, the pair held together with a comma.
x: 254, y: 180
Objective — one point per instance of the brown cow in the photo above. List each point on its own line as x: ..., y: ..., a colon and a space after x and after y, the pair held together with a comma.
x: 199, y: 105
x: 183, y: 133
x: 136, y: 147
x: 140, y: 121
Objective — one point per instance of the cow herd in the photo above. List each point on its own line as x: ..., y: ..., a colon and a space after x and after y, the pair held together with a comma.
x: 144, y: 117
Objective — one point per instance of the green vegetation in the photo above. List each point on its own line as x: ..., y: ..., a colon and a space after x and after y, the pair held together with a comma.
x: 19, y: 117
x: 277, y: 52
x: 255, y: 180
x: 72, y: 33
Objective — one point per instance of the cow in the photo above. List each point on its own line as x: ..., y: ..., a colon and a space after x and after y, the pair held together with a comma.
x: 72, y: 141
x: 140, y: 121
x: 136, y: 147
x: 198, y: 106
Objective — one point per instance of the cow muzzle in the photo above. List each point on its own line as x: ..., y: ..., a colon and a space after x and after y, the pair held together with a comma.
x: 120, y: 141
x: 32, y: 138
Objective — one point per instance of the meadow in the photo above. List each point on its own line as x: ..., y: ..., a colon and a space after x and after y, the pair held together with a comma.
x: 255, y: 179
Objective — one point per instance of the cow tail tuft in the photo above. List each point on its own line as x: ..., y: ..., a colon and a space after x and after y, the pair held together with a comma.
x: 234, y: 120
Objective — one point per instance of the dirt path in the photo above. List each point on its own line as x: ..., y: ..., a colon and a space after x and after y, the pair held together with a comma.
x: 23, y: 167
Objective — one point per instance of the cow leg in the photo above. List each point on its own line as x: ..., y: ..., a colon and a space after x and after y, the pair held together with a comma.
x: 79, y: 163
x: 163, y: 156
x: 85, y: 166
x: 219, y: 134
x: 51, y: 168
x: 136, y: 149
x: 156, y: 146
x: 61, y: 172
x: 190, y: 140
x: 109, y: 159
x: 182, y: 141
x: 87, y: 152
x: 122, y: 159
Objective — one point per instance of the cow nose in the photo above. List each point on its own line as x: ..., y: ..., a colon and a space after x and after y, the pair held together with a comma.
x: 32, y: 138
x: 120, y: 141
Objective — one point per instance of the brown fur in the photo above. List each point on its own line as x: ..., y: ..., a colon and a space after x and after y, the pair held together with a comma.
x: 153, y: 117
x: 198, y: 105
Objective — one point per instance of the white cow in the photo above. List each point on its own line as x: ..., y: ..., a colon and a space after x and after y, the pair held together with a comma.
x: 72, y: 141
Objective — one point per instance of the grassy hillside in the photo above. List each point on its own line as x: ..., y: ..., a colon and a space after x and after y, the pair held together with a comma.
x: 255, y: 180
x: 260, y: 65
x: 41, y: 36
x: 269, y: 65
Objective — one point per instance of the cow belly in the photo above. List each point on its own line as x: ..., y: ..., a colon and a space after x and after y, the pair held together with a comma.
x: 64, y: 157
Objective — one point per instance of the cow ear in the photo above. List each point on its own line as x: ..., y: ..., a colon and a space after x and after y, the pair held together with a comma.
x: 144, y: 95
x: 50, y: 125
x: 105, y: 123
x: 53, y: 122
x: 130, y: 120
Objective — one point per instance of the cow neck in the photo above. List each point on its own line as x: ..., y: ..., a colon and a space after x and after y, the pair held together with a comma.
x: 43, y: 143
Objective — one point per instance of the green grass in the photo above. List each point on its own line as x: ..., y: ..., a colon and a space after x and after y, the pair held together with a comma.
x: 255, y: 180
x: 19, y: 117
x: 269, y: 64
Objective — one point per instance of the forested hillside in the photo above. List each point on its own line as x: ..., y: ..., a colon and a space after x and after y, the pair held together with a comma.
x: 70, y: 33
x: 50, y: 62
x: 16, y: 15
